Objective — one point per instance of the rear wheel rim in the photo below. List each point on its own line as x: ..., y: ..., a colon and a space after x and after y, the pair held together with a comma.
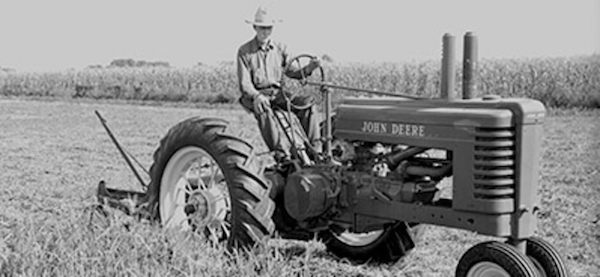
x: 194, y: 194
x: 488, y: 269
x: 358, y: 239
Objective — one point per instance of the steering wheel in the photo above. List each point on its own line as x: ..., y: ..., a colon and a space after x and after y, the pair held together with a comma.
x: 304, y: 79
x: 326, y: 95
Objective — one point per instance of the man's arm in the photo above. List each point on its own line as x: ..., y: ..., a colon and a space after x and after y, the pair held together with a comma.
x: 244, y: 78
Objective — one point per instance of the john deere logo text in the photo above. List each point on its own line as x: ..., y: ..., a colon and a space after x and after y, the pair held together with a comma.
x: 396, y: 129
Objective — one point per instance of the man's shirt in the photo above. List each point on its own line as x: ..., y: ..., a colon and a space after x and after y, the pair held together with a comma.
x: 261, y: 67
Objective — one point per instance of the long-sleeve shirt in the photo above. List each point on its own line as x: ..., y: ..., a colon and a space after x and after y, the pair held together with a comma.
x: 262, y: 66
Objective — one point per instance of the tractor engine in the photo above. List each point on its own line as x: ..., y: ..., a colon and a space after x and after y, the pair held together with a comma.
x: 392, y: 153
x: 372, y: 170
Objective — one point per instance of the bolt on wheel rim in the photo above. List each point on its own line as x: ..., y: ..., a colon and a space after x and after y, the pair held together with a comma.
x: 194, y: 194
x: 487, y: 269
x: 358, y: 239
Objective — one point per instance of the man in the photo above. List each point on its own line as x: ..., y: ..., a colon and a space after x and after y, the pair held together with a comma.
x: 261, y: 63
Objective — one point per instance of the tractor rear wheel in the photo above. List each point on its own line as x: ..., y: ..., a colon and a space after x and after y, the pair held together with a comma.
x: 206, y: 179
x: 385, y: 245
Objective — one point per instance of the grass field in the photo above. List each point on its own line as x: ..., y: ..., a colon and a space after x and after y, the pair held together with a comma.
x: 55, y: 152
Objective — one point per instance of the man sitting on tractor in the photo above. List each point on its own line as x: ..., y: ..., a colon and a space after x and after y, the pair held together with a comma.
x: 261, y: 64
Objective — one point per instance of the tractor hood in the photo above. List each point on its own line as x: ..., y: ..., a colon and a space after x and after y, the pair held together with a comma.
x: 388, y: 119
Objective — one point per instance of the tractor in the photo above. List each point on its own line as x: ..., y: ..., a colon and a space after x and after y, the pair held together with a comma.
x: 376, y: 181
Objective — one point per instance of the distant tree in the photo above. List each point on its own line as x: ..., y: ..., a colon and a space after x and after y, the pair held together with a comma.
x: 226, y: 63
x: 122, y: 63
x: 160, y: 64
x: 7, y: 70
x: 140, y: 63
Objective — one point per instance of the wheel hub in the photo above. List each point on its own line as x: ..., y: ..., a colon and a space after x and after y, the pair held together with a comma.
x: 205, y: 207
x: 487, y: 269
x: 194, y: 194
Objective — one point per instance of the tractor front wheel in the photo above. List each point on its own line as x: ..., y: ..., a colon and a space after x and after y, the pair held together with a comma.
x: 495, y: 258
x: 206, y: 179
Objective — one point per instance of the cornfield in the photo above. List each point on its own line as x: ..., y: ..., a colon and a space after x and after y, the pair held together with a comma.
x: 557, y: 82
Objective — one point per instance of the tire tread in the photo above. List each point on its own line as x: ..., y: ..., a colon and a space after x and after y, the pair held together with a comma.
x: 499, y: 253
x: 547, y: 256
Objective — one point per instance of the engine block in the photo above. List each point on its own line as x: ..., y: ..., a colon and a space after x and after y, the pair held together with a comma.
x: 493, y: 145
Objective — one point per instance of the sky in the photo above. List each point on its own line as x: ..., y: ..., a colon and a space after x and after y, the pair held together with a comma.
x: 42, y: 35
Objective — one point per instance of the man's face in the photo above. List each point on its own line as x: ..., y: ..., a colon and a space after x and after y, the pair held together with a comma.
x: 263, y: 32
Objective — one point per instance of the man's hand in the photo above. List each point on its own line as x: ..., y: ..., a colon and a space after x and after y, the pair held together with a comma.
x: 261, y: 103
x: 314, y: 64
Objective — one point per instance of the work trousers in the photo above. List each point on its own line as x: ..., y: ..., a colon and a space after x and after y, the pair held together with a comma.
x: 271, y: 132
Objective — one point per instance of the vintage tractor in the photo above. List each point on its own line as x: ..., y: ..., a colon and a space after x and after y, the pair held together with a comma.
x: 379, y: 177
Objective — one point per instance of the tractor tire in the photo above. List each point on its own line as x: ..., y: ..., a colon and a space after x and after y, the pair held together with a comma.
x: 545, y: 258
x: 495, y: 258
x: 245, y: 213
x: 381, y: 246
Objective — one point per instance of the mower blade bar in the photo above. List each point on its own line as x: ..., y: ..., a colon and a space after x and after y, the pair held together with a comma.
x: 124, y: 200
x: 114, y: 140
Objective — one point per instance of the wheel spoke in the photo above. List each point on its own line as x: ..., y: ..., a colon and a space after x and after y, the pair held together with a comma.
x: 204, y: 164
x: 226, y: 227
x: 186, y: 189
x: 198, y: 173
x: 189, y: 189
x: 213, y: 172
x: 191, y: 175
x: 212, y: 234
x: 189, y: 180
x: 196, y: 182
x: 219, y: 197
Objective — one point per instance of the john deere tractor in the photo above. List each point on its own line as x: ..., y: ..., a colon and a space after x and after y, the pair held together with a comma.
x: 377, y: 179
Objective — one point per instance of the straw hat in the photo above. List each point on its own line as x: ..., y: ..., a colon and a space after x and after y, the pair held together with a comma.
x: 263, y: 18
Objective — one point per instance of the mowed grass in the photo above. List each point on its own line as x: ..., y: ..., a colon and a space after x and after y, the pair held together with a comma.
x: 54, y: 153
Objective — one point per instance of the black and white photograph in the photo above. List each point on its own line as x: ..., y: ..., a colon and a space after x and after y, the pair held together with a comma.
x: 300, y: 138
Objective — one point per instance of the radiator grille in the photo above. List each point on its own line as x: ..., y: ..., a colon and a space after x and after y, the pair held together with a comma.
x: 494, y: 167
